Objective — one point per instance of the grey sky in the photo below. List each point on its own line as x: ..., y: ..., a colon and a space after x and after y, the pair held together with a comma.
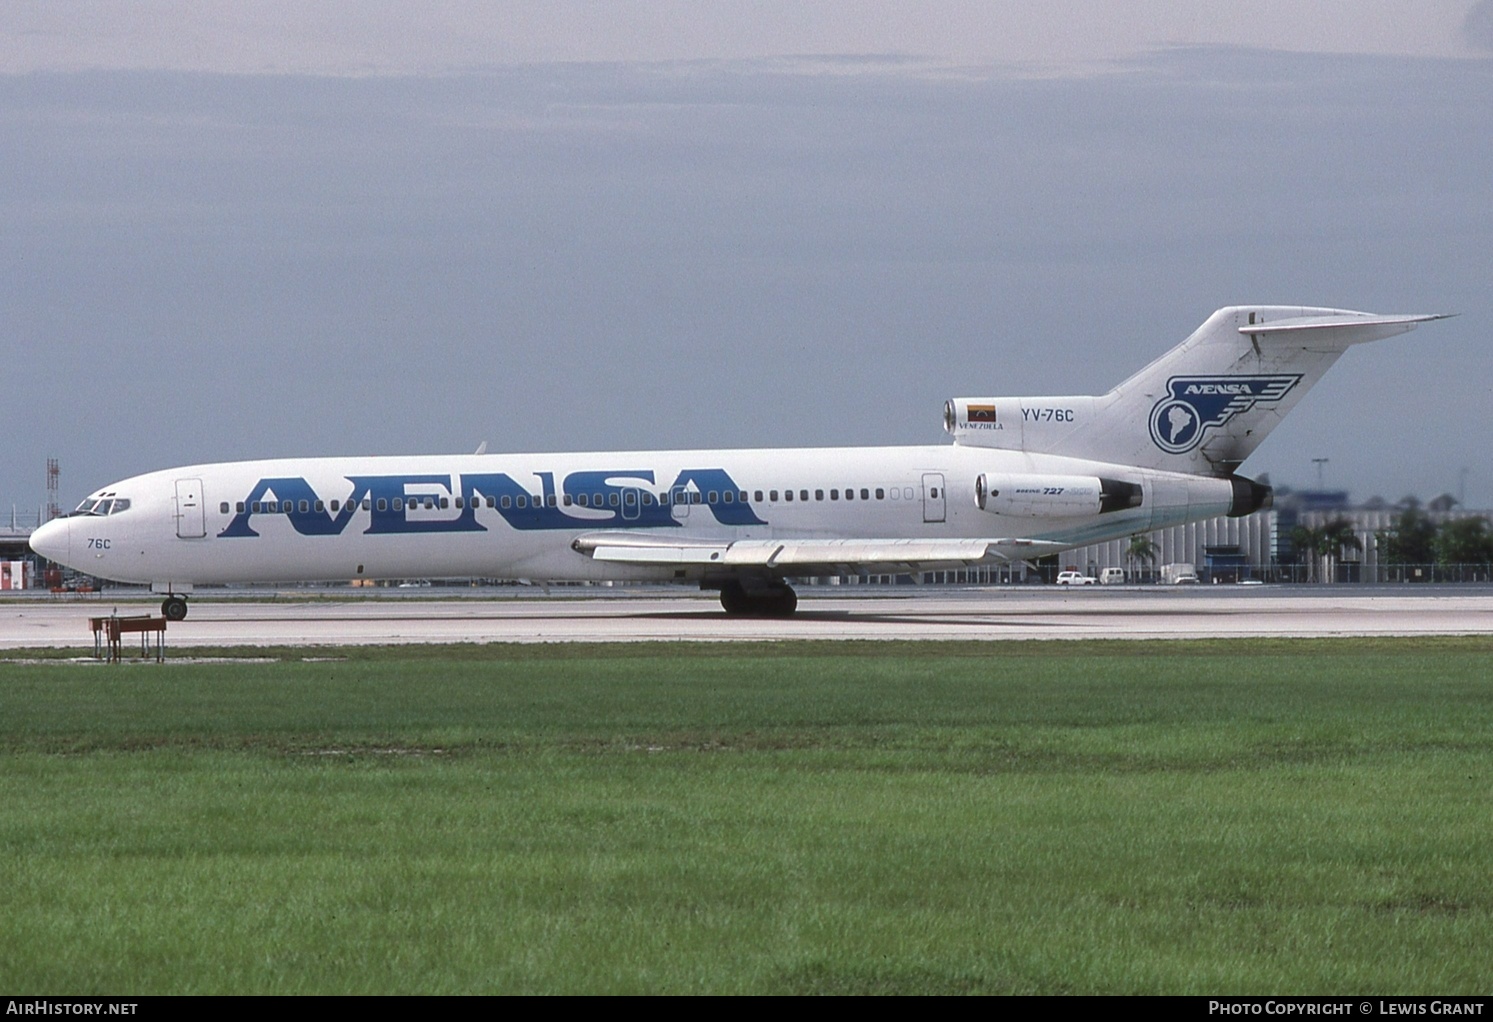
x: 358, y: 37
x: 617, y: 243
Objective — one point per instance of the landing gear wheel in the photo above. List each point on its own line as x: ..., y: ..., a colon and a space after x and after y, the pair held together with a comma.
x: 174, y: 608
x: 734, y: 600
x: 773, y: 601
x: 784, y: 601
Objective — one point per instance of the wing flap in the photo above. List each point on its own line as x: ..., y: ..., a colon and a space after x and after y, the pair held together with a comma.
x: 809, y: 556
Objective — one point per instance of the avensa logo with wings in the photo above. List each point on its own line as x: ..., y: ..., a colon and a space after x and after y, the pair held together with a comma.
x: 1195, y: 404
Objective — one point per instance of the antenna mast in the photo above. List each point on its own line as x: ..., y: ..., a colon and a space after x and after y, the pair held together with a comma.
x: 53, y: 474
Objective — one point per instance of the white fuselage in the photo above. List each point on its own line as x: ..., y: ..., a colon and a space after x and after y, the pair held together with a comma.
x: 521, y: 515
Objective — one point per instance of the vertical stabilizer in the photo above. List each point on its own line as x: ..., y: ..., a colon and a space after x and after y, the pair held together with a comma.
x: 1201, y: 408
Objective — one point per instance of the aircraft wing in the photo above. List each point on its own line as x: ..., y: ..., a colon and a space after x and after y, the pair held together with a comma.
x: 808, y: 556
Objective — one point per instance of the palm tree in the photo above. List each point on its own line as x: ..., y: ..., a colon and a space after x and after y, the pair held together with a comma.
x: 1307, y: 541
x: 1324, y: 543
x: 1141, y: 549
x: 1337, y: 536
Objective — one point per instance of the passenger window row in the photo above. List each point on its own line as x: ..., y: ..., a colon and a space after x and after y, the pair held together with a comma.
x: 594, y: 500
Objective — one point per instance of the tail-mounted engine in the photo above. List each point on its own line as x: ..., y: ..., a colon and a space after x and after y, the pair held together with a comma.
x: 1053, y: 496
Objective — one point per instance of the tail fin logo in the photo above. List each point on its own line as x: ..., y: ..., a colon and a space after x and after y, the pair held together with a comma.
x: 1195, y: 404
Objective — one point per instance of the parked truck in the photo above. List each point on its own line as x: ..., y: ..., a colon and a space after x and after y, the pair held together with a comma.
x: 1178, y: 574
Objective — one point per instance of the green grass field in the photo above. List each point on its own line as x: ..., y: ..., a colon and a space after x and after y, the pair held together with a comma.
x: 1210, y: 818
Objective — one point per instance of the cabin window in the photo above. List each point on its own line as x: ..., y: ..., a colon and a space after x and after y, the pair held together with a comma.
x: 787, y: 494
x: 506, y: 502
x: 383, y: 503
x: 818, y: 494
x: 729, y: 496
x: 614, y: 500
x: 223, y: 508
x: 834, y: 494
x: 335, y: 506
x: 550, y: 500
x: 368, y: 504
x: 523, y: 500
x: 803, y: 494
x: 398, y: 503
x: 305, y: 506
x: 933, y: 492
x: 757, y: 496
x: 742, y: 496
x: 568, y: 501
x: 445, y: 503
x: 239, y: 507
x: 774, y: 496
x: 647, y: 499
x: 880, y: 493
x: 713, y: 496
x: 583, y: 499
x: 865, y: 493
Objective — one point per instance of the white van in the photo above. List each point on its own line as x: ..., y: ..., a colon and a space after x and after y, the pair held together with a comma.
x: 1112, y: 577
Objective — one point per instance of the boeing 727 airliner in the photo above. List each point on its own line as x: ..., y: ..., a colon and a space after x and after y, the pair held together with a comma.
x: 1024, y: 477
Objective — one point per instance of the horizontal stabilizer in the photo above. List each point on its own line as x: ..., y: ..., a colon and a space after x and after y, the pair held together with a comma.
x: 1343, y: 329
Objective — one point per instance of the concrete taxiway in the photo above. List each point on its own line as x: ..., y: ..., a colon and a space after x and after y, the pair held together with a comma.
x: 295, y: 619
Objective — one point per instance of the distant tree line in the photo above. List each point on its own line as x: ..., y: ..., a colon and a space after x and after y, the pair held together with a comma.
x: 1413, y: 538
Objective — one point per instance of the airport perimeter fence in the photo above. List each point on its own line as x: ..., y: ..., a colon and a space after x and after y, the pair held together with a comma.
x: 1379, y: 574
x: 1288, y: 574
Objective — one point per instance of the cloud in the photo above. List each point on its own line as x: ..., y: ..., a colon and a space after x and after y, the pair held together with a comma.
x: 360, y: 38
x: 1478, y: 28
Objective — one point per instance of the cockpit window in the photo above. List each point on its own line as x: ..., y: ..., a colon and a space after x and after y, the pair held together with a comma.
x: 105, y: 505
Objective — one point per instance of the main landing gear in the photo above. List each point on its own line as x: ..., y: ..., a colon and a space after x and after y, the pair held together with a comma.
x: 174, y: 608
x: 771, y: 600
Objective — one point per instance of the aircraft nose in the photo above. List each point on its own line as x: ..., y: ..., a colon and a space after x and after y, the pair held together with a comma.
x: 53, y: 540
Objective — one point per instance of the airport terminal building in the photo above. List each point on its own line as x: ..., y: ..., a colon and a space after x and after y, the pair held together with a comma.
x: 1259, y: 546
